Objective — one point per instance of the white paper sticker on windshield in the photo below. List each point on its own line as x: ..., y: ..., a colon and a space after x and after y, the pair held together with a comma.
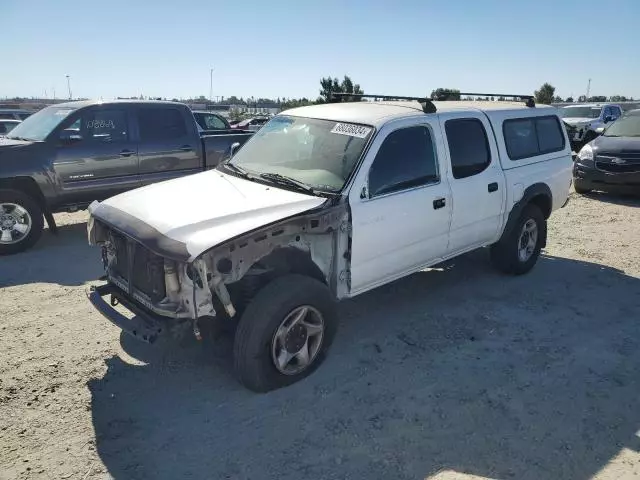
x: 351, y: 130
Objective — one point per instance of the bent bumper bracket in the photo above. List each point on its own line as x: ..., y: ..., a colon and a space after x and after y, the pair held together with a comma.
x: 142, y: 326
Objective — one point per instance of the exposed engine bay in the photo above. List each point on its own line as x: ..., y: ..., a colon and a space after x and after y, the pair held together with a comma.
x: 226, y: 276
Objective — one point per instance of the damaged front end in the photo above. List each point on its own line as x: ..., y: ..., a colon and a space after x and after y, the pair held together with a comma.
x: 167, y: 290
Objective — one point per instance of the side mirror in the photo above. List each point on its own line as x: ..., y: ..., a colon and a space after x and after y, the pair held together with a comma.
x: 608, y: 118
x: 234, y: 146
x: 70, y: 136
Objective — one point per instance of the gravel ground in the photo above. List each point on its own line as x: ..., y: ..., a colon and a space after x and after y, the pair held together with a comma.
x: 453, y: 373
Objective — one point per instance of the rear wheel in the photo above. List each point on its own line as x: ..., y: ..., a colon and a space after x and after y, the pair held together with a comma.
x: 21, y: 222
x: 284, y: 333
x: 518, y: 251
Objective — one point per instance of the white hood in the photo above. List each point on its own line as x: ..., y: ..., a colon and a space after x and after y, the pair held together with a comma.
x: 206, y: 209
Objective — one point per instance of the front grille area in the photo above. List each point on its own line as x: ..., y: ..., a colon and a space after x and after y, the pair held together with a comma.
x: 618, y: 162
x: 147, y: 268
x: 618, y: 167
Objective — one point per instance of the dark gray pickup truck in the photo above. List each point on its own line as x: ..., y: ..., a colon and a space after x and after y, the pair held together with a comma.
x: 68, y: 155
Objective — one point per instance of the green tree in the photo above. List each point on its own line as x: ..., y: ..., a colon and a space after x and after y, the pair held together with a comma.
x: 617, y: 98
x: 329, y: 86
x: 557, y: 99
x: 598, y: 98
x: 570, y: 99
x: 545, y: 94
x: 445, y: 94
x: 582, y: 98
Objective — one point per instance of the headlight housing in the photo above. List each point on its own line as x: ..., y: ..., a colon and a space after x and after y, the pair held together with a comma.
x: 585, y: 156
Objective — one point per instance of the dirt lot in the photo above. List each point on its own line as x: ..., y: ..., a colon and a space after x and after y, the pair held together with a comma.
x: 454, y: 373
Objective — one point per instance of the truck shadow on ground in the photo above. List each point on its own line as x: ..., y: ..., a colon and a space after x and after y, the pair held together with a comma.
x: 65, y: 258
x: 460, y: 369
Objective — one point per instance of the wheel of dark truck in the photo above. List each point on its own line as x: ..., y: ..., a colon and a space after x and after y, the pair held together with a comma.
x: 518, y: 251
x: 284, y: 333
x: 21, y: 222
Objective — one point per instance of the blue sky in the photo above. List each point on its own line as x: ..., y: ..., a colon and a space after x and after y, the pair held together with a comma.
x: 281, y: 48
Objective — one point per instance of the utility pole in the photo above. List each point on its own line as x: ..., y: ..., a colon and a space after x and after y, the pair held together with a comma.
x: 588, y: 89
x: 211, y: 85
x: 69, y: 86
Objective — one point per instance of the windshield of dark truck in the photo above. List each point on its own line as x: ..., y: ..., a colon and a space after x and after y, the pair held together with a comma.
x: 39, y: 125
x: 318, y: 153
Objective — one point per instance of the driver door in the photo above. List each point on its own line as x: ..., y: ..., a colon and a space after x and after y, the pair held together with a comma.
x: 400, y: 205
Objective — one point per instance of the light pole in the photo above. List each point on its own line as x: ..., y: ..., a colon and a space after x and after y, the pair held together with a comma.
x: 69, y: 86
x: 211, y: 85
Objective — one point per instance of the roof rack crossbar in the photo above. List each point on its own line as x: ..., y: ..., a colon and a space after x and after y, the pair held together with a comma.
x: 524, y: 97
x: 427, y: 105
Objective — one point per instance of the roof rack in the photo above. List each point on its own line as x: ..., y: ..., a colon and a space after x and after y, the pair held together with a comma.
x: 427, y: 103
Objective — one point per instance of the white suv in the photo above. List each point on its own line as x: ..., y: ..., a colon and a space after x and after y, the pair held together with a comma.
x: 324, y: 203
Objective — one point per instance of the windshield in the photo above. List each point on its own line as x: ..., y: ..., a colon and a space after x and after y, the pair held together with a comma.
x: 318, y: 153
x: 624, y: 127
x: 580, y: 112
x: 40, y: 124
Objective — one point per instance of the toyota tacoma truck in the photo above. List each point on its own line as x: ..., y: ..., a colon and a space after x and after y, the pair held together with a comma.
x: 324, y: 203
x: 66, y: 156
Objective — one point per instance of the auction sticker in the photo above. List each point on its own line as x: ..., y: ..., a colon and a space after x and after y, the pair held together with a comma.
x: 351, y: 130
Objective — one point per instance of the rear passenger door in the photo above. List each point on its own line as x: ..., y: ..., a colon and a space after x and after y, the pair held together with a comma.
x: 168, y: 147
x: 475, y: 178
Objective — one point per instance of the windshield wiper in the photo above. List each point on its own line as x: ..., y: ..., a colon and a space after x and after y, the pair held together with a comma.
x: 291, y: 182
x: 236, y: 169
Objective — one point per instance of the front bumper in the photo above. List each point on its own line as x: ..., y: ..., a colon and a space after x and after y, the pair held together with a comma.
x: 144, y: 326
x: 589, y: 177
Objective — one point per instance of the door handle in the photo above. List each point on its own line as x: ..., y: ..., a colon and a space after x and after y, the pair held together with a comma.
x: 186, y: 148
x: 126, y: 153
x: 492, y: 187
x: 439, y: 203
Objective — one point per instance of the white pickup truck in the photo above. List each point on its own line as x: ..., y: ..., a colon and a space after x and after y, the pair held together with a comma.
x: 324, y: 203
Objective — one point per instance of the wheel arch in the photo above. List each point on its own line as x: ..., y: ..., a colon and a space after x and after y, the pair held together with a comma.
x: 538, y: 194
x: 25, y: 185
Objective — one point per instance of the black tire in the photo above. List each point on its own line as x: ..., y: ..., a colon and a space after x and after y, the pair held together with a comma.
x: 37, y: 221
x: 504, y: 254
x: 579, y: 188
x: 253, y: 364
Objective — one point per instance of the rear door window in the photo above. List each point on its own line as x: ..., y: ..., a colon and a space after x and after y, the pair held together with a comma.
x: 468, y: 146
x: 161, y: 124
x: 529, y: 137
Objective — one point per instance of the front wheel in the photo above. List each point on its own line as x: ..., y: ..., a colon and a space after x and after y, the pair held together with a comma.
x: 21, y: 222
x: 284, y: 333
x: 518, y: 251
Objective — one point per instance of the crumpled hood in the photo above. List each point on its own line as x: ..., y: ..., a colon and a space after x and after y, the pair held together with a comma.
x: 200, y: 211
x: 578, y: 121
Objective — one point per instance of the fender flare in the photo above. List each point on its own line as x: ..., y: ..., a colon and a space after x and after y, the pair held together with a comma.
x: 533, y: 191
